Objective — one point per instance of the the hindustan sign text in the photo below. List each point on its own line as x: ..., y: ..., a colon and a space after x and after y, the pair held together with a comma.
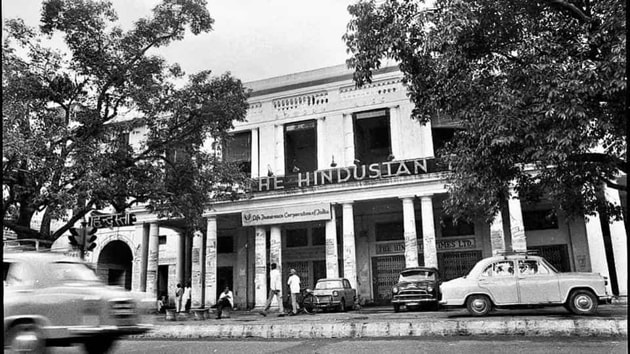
x: 345, y: 174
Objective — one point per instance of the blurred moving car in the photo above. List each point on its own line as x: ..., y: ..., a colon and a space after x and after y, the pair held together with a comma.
x: 520, y: 279
x: 54, y: 300
x: 334, y: 293
x: 416, y: 287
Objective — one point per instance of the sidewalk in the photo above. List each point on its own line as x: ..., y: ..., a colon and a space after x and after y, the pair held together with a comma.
x: 376, y: 322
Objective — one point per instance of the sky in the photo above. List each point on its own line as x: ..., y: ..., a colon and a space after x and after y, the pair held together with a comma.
x: 252, y: 39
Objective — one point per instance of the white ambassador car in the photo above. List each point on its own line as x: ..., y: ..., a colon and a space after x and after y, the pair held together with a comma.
x: 54, y: 300
x: 518, y: 280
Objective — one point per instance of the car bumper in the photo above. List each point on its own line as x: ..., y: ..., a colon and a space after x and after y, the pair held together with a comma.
x: 324, y: 305
x: 413, y: 301
x: 110, y: 330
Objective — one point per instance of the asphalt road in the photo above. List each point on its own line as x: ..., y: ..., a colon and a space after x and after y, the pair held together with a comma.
x: 512, y: 345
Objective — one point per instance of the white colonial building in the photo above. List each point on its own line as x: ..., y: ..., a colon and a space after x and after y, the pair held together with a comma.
x: 345, y: 184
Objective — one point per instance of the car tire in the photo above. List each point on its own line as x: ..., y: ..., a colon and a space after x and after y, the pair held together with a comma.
x: 582, y: 302
x: 479, y: 305
x: 396, y: 308
x: 309, y: 303
x: 98, y: 345
x: 342, y: 305
x: 26, y: 337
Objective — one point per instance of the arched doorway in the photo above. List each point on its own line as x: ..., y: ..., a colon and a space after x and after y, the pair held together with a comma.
x: 114, y: 264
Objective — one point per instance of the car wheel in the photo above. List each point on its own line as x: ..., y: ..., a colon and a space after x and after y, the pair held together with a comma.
x: 98, y: 345
x: 26, y: 338
x: 479, y: 305
x: 396, y: 308
x: 342, y: 305
x: 582, y: 302
x: 309, y: 303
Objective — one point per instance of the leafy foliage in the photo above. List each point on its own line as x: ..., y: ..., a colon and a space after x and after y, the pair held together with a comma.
x: 65, y: 139
x: 534, y: 84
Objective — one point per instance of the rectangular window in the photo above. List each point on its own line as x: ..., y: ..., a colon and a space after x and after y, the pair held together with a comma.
x: 319, y: 236
x: 225, y: 244
x: 297, y: 238
x: 390, y: 231
x: 300, y: 147
x: 539, y: 220
x: 238, y: 149
x: 162, y: 240
x: 372, y: 138
x: 441, y: 136
x: 461, y: 228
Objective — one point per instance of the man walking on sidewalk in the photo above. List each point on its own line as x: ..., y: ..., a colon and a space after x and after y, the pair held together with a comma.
x: 294, y: 285
x: 275, y: 290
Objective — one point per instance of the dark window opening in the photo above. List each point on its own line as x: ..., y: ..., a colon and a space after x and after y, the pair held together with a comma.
x: 441, y: 136
x: 372, y: 139
x: 390, y: 231
x: 297, y: 238
x: 238, y: 150
x: 225, y: 244
x: 162, y: 240
x: 300, y: 147
x: 451, y: 228
x: 319, y: 236
x: 539, y: 220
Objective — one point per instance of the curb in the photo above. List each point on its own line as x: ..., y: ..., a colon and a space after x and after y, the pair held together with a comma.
x: 380, y: 329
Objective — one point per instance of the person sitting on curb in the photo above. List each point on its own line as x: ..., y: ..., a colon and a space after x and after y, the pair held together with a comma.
x: 225, y: 300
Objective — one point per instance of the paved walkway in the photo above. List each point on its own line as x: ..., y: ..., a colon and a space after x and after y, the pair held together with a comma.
x: 611, y: 320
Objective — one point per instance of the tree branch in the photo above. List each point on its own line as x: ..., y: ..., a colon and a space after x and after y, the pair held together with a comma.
x: 573, y: 10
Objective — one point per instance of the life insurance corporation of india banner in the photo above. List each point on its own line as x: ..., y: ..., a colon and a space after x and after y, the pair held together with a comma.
x: 287, y: 214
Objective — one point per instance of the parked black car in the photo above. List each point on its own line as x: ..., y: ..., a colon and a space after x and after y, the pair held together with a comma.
x: 416, y: 287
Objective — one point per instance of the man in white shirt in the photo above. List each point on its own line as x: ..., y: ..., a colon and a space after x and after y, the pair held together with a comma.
x: 294, y: 286
x: 275, y: 290
x: 225, y: 300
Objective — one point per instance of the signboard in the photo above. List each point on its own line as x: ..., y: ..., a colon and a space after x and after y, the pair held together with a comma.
x: 111, y: 220
x: 379, y: 170
x: 283, y: 215
x: 441, y: 245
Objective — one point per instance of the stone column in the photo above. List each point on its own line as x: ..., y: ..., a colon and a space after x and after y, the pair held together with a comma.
x: 153, y: 261
x: 409, y: 227
x: 275, y: 246
x: 255, y: 154
x: 198, y: 270
x: 211, y: 262
x: 618, y: 238
x: 323, y: 158
x: 145, y: 257
x: 260, y: 276
x: 278, y: 167
x: 596, y: 248
x: 348, y: 140
x: 332, y: 258
x: 349, y: 249
x: 180, y: 260
x: 497, y: 236
x: 428, y: 232
x: 517, y: 229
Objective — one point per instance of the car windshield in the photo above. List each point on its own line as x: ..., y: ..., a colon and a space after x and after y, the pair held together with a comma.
x: 416, y: 275
x: 329, y: 284
x: 72, y: 271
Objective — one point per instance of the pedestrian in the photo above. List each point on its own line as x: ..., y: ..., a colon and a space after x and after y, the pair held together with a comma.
x: 225, y: 300
x: 294, y: 287
x: 275, y: 290
x: 178, y: 297
x: 187, y: 298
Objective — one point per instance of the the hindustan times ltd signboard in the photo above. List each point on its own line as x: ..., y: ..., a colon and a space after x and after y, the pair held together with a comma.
x: 288, y: 214
x: 373, y: 171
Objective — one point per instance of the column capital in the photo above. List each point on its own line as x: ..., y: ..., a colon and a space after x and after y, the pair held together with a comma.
x: 426, y: 196
x: 404, y: 197
x: 346, y: 202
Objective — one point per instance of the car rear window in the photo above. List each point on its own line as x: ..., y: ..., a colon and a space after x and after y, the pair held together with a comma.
x: 335, y: 284
x: 417, y: 275
x: 72, y: 271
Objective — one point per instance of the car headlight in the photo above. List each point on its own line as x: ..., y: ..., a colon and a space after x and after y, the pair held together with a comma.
x: 335, y: 293
x: 395, y: 290
x: 430, y: 289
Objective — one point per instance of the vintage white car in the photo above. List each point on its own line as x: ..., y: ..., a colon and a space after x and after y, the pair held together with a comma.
x: 54, y: 300
x: 518, y: 280
x: 334, y: 294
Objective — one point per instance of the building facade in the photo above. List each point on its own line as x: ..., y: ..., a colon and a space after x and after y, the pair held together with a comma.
x: 344, y: 184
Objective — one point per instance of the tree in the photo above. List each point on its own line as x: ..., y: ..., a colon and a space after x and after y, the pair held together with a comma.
x: 534, y: 85
x: 63, y: 133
